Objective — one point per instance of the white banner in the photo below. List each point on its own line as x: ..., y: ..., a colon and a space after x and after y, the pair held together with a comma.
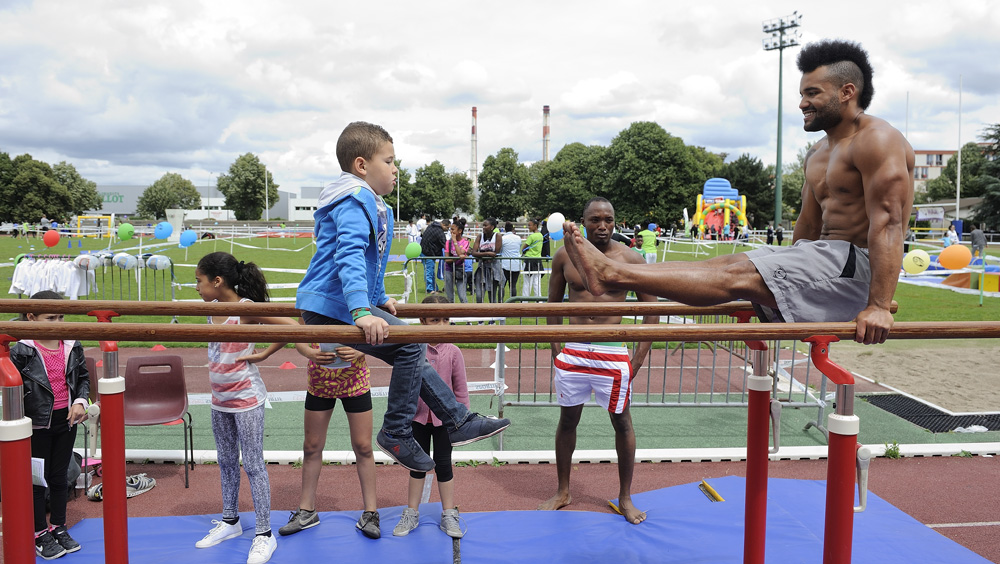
x: 930, y: 214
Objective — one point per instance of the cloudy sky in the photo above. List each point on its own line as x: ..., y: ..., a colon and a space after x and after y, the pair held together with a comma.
x: 128, y: 90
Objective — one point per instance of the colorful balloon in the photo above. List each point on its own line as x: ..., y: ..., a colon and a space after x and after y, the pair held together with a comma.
x: 163, y: 230
x: 126, y: 231
x: 555, y: 225
x: 413, y: 250
x: 955, y: 257
x: 916, y: 261
x: 188, y: 238
x: 51, y: 238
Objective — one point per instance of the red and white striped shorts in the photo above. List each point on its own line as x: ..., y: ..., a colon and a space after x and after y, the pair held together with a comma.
x: 585, y: 367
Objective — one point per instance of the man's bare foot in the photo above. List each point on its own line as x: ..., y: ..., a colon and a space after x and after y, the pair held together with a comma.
x: 629, y: 511
x: 557, y: 501
x: 588, y: 260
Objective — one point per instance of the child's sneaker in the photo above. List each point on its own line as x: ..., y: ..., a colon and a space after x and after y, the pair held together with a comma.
x: 48, y: 547
x: 451, y: 524
x: 369, y: 524
x: 477, y: 427
x: 222, y: 531
x: 407, y: 522
x: 262, y: 548
x: 138, y: 484
x: 62, y: 537
x: 405, y: 451
x: 300, y: 519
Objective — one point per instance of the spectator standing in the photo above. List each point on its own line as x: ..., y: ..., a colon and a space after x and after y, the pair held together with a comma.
x: 532, y: 252
x: 512, y: 257
x: 489, y: 274
x: 454, y: 268
x: 978, y: 242
x: 779, y: 234
x: 770, y: 233
x: 432, y: 242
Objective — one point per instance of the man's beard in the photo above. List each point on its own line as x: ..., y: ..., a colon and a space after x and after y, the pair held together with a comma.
x: 826, y: 117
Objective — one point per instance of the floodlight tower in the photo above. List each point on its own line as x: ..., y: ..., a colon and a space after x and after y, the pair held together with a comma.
x: 778, y: 38
x: 474, y: 167
x: 545, y: 134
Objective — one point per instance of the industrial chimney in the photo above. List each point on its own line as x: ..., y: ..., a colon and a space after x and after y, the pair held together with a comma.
x: 545, y: 134
x: 474, y: 167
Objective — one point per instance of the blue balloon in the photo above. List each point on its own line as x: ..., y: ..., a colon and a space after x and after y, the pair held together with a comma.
x: 188, y: 238
x: 556, y: 235
x: 163, y: 230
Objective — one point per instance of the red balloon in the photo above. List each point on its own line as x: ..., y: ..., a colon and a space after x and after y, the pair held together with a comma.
x: 51, y: 238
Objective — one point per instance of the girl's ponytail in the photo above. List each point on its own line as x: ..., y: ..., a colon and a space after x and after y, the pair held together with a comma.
x: 246, y: 279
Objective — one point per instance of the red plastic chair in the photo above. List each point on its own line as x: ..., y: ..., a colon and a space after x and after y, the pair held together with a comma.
x: 155, y: 394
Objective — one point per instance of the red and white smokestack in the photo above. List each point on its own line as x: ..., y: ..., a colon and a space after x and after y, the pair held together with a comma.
x: 474, y: 167
x: 545, y: 133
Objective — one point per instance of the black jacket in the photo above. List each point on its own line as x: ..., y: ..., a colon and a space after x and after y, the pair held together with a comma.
x: 38, y: 396
x: 432, y: 240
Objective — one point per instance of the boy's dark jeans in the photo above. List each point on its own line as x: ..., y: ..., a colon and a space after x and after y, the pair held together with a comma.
x: 412, y: 378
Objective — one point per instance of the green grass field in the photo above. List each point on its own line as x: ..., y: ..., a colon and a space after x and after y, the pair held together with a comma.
x: 915, y: 303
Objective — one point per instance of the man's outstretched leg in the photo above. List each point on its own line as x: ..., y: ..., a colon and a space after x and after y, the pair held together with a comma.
x: 625, y: 446
x: 700, y: 283
x: 569, y: 418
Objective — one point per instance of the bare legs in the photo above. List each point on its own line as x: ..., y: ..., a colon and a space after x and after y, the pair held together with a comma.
x: 625, y: 446
x: 699, y: 283
x: 569, y: 418
x: 316, y: 423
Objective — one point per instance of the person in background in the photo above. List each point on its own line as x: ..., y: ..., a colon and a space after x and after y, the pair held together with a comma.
x: 55, y: 388
x: 978, y: 242
x: 454, y: 268
x: 447, y: 359
x: 532, y: 252
x: 432, y: 245
x: 512, y: 258
x: 489, y: 274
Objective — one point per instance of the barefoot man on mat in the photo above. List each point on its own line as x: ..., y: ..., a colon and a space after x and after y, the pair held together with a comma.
x: 848, y: 248
x: 602, y: 367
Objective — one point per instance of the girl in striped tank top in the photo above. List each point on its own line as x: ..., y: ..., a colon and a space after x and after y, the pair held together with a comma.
x: 238, y: 395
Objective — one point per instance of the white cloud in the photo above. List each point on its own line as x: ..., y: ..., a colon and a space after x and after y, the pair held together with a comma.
x: 127, y: 91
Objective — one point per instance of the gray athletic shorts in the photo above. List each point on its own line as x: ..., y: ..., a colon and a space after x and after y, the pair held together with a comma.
x: 816, y: 281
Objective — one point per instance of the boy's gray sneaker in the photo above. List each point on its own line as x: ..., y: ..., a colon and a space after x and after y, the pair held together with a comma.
x: 369, y: 525
x: 407, y: 522
x: 476, y: 427
x: 450, y: 523
x: 62, y: 537
x: 405, y: 451
x: 301, y: 519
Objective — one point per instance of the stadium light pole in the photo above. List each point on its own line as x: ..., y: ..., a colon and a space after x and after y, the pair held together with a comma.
x: 778, y: 38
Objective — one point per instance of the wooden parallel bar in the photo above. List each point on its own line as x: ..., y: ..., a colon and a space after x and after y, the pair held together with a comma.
x: 164, y: 332
x: 82, y: 307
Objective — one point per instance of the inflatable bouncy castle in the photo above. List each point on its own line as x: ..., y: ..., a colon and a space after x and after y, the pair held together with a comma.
x: 718, y: 203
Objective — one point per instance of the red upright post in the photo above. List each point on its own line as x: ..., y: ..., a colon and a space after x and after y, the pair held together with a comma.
x: 112, y: 392
x: 15, y: 465
x: 759, y: 386
x: 843, y: 425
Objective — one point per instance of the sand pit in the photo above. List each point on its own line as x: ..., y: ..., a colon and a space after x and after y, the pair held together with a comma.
x: 960, y: 376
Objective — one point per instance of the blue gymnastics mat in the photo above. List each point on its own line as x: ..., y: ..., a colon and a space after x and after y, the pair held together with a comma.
x: 683, y: 526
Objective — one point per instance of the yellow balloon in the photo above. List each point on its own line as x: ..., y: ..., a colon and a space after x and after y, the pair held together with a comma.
x: 916, y: 261
x: 955, y: 257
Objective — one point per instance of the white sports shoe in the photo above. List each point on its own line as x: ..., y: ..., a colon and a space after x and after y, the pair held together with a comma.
x: 262, y: 549
x: 222, y: 531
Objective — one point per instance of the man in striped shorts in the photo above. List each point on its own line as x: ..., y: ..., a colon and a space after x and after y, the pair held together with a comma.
x: 604, y: 368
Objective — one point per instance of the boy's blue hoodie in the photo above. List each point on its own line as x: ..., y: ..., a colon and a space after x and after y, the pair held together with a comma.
x: 352, y: 239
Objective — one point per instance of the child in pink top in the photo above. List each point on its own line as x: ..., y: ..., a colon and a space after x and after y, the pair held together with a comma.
x: 447, y: 359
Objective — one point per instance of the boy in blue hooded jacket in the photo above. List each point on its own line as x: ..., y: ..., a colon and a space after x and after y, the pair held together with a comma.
x: 344, y: 286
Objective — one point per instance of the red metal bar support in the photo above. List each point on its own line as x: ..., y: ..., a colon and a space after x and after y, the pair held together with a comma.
x: 843, y: 425
x: 15, y: 465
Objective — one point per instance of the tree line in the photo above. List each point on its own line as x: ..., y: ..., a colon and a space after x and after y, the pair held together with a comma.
x: 31, y: 189
x: 980, y: 178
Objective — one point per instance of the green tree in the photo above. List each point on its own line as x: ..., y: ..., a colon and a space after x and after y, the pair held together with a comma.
x: 791, y: 183
x: 570, y: 180
x: 651, y: 174
x: 171, y: 191
x: 988, y: 211
x: 708, y: 163
x: 463, y: 196
x: 433, y: 191
x: 29, y: 191
x: 244, y: 187
x: 82, y: 192
x: 503, y: 186
x: 944, y: 186
x: 752, y: 179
